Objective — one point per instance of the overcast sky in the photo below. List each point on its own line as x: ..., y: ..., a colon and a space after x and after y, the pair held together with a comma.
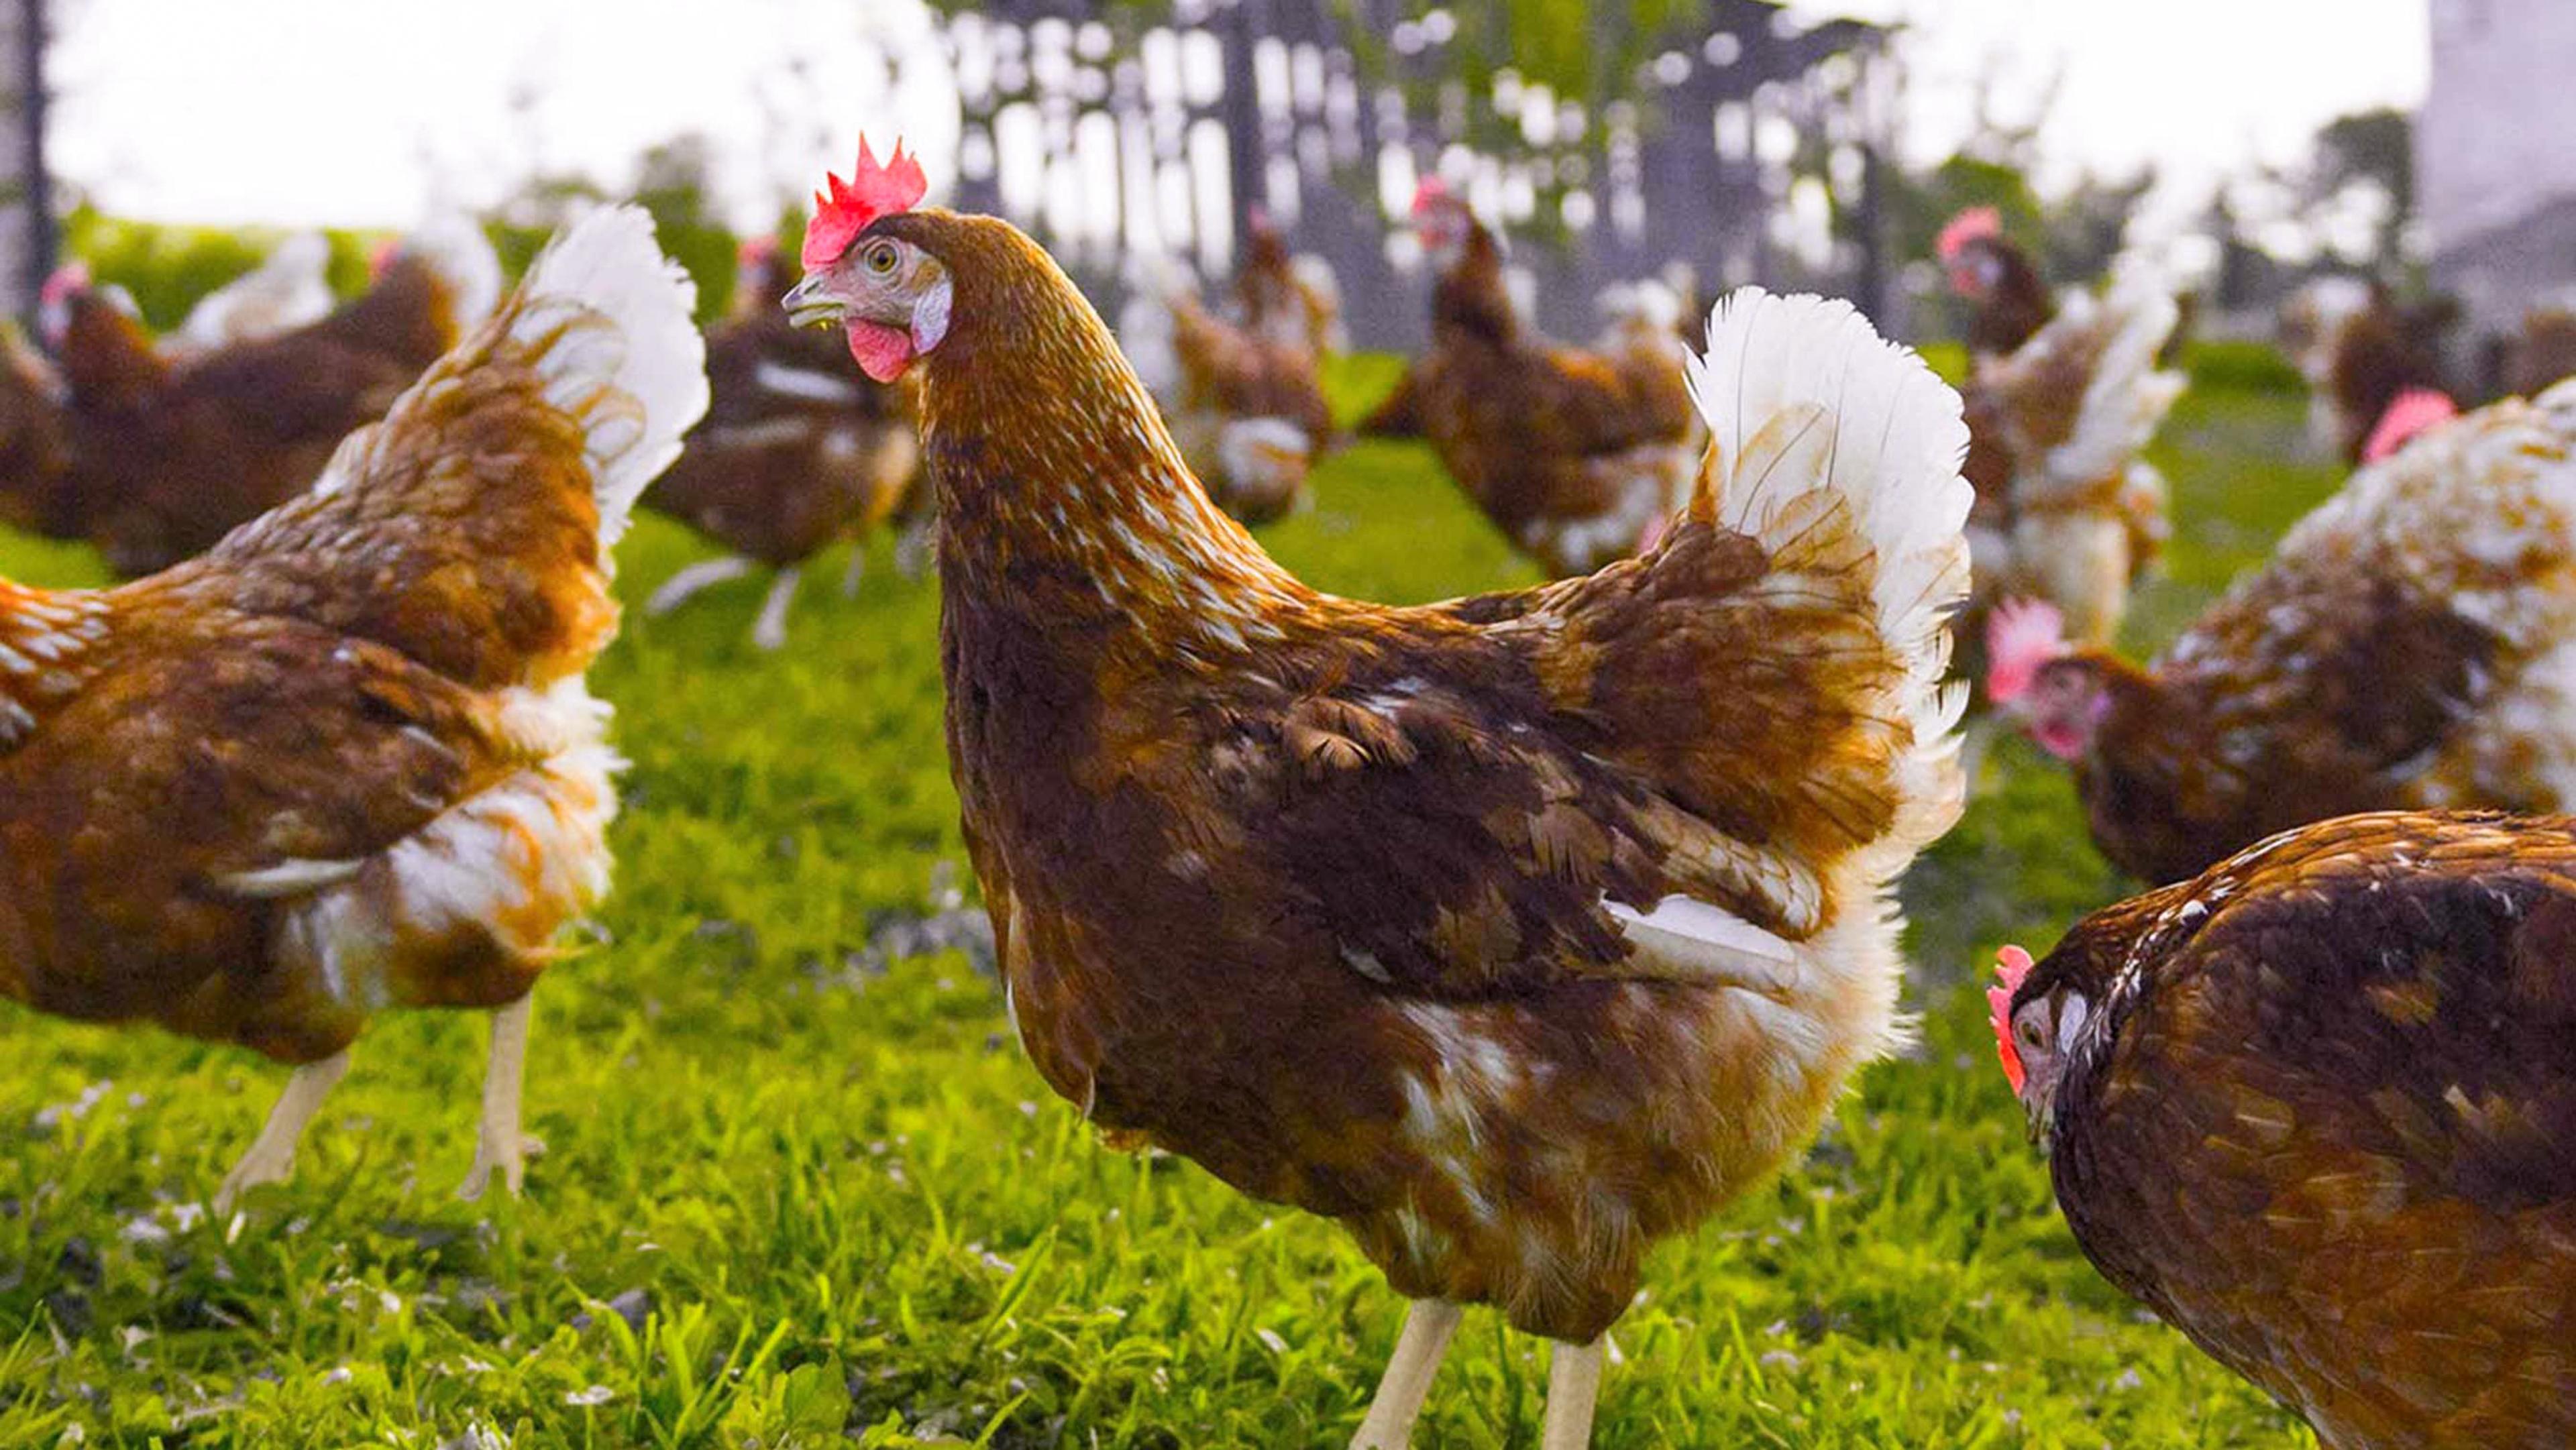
x: 367, y: 112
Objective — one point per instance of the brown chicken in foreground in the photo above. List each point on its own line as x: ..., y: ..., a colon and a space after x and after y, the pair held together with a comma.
x: 345, y: 761
x: 1243, y: 398
x: 1574, y: 455
x: 2317, y: 1110
x: 794, y: 454
x: 2411, y: 644
x: 167, y: 456
x: 1515, y: 933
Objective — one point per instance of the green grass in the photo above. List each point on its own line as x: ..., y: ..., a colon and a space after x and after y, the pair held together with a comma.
x: 798, y: 1191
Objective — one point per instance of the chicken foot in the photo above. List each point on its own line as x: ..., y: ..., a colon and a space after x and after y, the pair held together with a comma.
x: 1428, y: 1323
x: 500, y: 1144
x: 1573, y: 1388
x: 272, y: 1154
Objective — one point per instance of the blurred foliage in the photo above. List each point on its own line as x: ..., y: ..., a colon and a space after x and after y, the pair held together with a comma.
x: 168, y: 267
x: 672, y: 181
x: 2246, y: 367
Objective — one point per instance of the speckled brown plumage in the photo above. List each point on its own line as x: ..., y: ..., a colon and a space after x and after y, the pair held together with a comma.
x: 1321, y: 893
x: 2407, y: 646
x: 2321, y: 1117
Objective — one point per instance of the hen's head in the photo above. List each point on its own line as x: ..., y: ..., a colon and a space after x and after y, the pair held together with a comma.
x: 1971, y: 248
x: 2036, y: 1024
x: 876, y: 266
x: 2057, y: 692
x: 1441, y: 222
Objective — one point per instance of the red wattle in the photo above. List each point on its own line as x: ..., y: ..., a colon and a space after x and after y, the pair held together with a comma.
x: 883, y: 352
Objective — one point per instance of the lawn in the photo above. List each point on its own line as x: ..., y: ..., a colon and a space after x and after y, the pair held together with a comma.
x: 802, y: 1186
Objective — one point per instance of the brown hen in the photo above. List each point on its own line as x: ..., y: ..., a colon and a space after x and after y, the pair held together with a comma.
x: 346, y: 761
x: 1575, y: 455
x: 167, y: 456
x: 2317, y: 1110
x: 2412, y: 643
x: 794, y: 455
x: 1514, y: 933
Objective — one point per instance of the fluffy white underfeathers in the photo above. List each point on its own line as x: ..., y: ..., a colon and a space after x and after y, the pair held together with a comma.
x: 608, y: 315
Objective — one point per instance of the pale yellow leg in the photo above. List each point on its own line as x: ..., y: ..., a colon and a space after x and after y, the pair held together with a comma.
x: 770, y: 633
x: 854, y: 571
x: 272, y: 1153
x: 703, y: 575
x: 1428, y: 1323
x: 500, y: 1144
x: 1573, y: 1388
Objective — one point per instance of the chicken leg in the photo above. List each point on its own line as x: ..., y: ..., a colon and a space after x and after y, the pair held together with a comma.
x: 1428, y: 1323
x: 694, y: 580
x: 1573, y: 1388
x: 272, y: 1153
x: 771, y: 632
x: 854, y: 571
x: 500, y: 1144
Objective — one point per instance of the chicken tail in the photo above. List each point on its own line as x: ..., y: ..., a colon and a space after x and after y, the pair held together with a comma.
x: 457, y: 250
x: 1824, y: 435
x: 2128, y: 397
x: 637, y: 383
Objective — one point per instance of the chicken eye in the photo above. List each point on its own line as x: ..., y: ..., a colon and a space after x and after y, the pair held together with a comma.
x: 879, y: 258
x: 2030, y: 1035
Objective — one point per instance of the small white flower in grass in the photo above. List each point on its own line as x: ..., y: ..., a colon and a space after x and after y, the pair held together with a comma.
x: 1270, y: 1338
x: 595, y: 1395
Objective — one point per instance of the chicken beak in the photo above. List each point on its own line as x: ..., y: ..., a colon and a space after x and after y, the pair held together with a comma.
x: 808, y: 305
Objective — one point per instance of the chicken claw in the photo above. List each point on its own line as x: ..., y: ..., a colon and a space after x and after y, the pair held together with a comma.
x: 271, y: 1156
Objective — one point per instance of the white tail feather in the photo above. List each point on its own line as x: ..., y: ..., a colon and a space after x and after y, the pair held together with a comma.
x: 1805, y: 380
x: 607, y: 267
x: 2128, y: 398
x: 458, y: 251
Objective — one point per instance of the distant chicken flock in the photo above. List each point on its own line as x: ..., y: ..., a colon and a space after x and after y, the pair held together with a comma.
x: 1515, y: 933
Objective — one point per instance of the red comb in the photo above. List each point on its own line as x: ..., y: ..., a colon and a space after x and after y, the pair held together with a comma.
x: 1432, y: 192
x: 756, y: 249
x: 63, y: 281
x: 1974, y: 224
x: 2012, y: 966
x: 843, y: 209
x: 2021, y: 636
x: 2416, y: 410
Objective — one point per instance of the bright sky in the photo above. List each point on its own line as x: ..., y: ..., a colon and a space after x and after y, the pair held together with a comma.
x: 367, y: 112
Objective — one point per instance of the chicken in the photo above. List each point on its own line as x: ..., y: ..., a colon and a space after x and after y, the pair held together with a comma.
x: 346, y: 760
x: 2010, y: 301
x: 794, y: 456
x: 2544, y: 353
x: 2359, y: 350
x: 288, y: 290
x: 1576, y: 456
x: 2317, y: 1110
x: 35, y: 441
x: 1515, y: 933
x: 1294, y: 301
x: 169, y: 456
x: 1244, y: 401
x: 2411, y: 644
x: 2066, y: 509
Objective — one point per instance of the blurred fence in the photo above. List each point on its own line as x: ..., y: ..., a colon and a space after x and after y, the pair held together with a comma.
x: 1741, y: 139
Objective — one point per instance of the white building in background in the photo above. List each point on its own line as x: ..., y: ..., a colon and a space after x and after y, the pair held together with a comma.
x: 2495, y: 155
